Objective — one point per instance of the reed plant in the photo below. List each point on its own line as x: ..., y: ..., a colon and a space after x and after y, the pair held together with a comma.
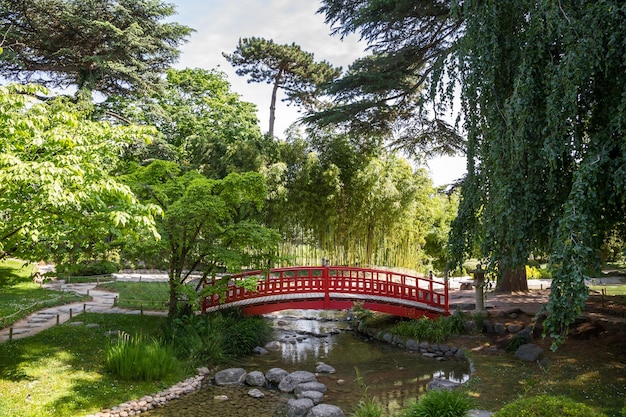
x: 139, y: 358
x: 219, y: 337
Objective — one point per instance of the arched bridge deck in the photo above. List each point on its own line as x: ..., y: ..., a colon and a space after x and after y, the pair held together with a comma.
x: 334, y: 288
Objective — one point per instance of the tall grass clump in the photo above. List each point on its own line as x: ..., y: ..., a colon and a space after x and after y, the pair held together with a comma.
x: 440, y: 403
x: 219, y: 337
x: 367, y: 406
x: 437, y: 330
x: 140, y: 359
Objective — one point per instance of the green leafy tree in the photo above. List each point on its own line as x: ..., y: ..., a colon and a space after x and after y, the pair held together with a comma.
x: 108, y: 46
x: 207, y: 224
x: 58, y: 196
x: 382, y: 94
x: 202, y: 124
x: 285, y: 67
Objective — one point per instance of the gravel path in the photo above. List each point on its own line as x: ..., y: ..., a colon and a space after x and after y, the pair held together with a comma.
x: 102, y: 302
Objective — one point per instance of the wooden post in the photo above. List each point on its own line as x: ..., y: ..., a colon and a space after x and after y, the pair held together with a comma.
x: 57, y: 319
x: 70, y: 314
x: 84, y: 307
x: 141, y: 309
x: 10, y: 334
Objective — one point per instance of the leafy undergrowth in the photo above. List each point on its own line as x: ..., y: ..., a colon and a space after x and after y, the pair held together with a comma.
x: 61, y: 371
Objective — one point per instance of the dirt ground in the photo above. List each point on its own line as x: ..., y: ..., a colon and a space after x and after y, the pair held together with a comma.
x: 590, y: 367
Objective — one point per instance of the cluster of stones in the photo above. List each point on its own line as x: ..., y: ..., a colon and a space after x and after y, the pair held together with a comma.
x: 308, y: 392
x: 149, y: 402
x: 429, y: 350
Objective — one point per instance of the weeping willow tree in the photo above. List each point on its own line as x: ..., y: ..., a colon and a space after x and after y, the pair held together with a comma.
x: 543, y: 97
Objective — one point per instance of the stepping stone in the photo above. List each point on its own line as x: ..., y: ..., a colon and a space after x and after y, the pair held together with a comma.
x: 39, y: 319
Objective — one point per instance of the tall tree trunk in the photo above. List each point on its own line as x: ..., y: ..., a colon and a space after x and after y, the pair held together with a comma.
x: 273, y: 102
x: 172, y: 306
x: 512, y: 280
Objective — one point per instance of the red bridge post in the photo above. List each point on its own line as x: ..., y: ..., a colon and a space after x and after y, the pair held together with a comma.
x: 326, y: 279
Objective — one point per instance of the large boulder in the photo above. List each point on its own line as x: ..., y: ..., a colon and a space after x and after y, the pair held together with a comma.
x: 529, y: 352
x: 289, y: 383
x: 230, y: 376
x: 275, y: 375
x: 299, y: 408
x: 314, y: 396
x: 310, y: 386
x: 256, y: 379
x: 325, y: 410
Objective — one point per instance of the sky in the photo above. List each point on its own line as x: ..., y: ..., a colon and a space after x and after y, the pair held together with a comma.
x: 219, y: 24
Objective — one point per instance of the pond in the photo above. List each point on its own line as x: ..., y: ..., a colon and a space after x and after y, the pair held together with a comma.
x: 363, y: 366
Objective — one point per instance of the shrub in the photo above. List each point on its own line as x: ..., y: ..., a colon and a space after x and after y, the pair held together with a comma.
x: 135, y: 358
x: 547, y: 406
x: 88, y: 268
x: 218, y: 337
x: 437, y: 330
x: 440, y: 403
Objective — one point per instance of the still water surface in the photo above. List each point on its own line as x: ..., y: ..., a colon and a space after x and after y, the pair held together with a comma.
x: 394, y: 376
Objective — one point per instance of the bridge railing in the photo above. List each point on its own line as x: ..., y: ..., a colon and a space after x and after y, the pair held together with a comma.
x: 330, y: 281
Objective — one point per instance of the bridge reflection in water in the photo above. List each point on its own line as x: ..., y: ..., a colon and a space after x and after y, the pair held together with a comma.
x: 334, y: 288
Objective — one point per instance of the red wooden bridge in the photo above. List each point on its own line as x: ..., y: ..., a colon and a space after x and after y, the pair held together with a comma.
x: 334, y: 288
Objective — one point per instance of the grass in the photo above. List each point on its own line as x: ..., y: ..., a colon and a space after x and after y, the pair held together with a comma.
x: 61, y: 371
x: 21, y: 296
x: 610, y: 289
x: 135, y: 295
x: 437, y: 330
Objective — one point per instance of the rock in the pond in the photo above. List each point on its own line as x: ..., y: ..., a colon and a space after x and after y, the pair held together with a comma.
x: 310, y: 386
x: 325, y: 410
x: 259, y: 351
x: 289, y: 383
x: 230, y: 376
x: 322, y: 368
x: 438, y: 383
x: 273, y: 346
x: 315, y: 396
x: 256, y: 379
x: 299, y: 408
x: 529, y: 352
x: 256, y: 393
x: 275, y: 375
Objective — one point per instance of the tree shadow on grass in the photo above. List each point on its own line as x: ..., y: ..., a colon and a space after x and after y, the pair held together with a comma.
x: 65, y: 364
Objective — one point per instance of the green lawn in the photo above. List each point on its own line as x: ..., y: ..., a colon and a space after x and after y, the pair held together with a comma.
x: 20, y: 296
x: 60, y: 371
x: 149, y: 295
x: 610, y: 289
